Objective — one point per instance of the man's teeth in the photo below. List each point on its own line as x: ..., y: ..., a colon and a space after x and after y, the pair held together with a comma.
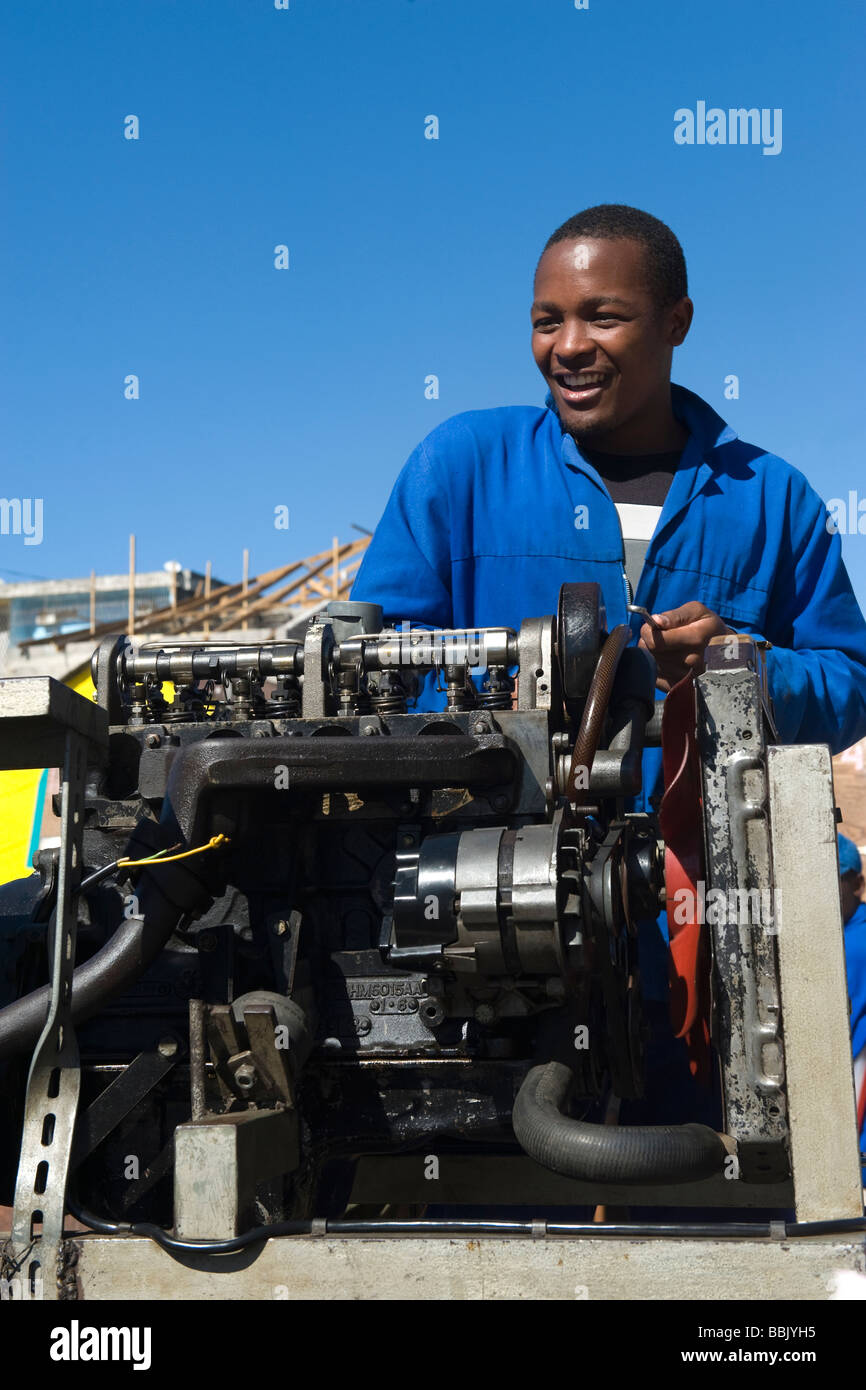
x: 579, y: 383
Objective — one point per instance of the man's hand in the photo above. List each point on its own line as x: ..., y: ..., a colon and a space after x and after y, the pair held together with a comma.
x: 679, y: 639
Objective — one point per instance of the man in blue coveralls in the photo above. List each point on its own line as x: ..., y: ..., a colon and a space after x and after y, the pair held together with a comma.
x: 854, y: 917
x: 636, y: 483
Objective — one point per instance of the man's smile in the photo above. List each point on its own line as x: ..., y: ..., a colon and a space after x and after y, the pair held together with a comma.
x: 582, y: 388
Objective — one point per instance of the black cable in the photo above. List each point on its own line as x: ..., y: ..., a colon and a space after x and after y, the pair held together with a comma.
x: 257, y: 1235
x: 708, y: 1230
x: 171, y: 1243
x: 98, y: 876
x: 825, y: 1228
x: 99, y: 1224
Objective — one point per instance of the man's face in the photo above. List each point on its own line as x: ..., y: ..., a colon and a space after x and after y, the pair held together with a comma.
x: 600, y: 341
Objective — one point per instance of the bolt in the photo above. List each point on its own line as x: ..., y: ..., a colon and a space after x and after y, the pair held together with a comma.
x: 499, y: 802
x: 153, y: 740
x: 408, y: 840
x: 245, y: 1076
x: 167, y: 1047
x: 281, y: 927
x: 363, y: 1025
x: 480, y: 727
x: 485, y: 1013
x: 207, y: 941
x: 368, y: 729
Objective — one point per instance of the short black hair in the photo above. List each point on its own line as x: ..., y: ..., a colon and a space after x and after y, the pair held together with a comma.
x: 665, y: 262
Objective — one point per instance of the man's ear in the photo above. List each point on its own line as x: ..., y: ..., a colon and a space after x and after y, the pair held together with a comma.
x: 679, y: 318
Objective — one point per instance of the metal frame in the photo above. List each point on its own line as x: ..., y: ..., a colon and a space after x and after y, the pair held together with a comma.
x: 820, y: 1082
x: 461, y: 1268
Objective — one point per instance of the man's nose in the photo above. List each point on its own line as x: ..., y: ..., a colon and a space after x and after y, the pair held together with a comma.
x: 573, y: 340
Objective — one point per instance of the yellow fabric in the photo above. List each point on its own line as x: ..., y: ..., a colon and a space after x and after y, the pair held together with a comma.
x: 18, y: 801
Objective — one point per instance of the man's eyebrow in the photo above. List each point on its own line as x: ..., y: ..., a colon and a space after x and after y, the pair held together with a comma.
x: 549, y: 307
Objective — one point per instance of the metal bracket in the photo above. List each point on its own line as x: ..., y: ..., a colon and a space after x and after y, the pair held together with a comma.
x: 218, y: 1164
x: 54, y: 1080
x: 45, y: 724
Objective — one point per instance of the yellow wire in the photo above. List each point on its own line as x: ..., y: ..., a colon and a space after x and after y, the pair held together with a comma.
x: 213, y: 843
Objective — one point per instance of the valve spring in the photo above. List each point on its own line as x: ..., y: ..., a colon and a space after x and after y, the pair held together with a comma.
x: 494, y: 699
x: 245, y: 698
x: 390, y: 703
x: 282, y: 709
x: 498, y: 689
x: 389, y: 697
x: 285, y: 700
x: 187, y: 708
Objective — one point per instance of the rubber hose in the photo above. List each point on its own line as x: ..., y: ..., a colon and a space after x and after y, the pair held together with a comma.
x: 117, y: 965
x: 595, y: 709
x: 607, y: 1153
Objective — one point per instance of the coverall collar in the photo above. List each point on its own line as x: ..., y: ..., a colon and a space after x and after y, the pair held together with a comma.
x: 708, y: 432
x: 707, y: 429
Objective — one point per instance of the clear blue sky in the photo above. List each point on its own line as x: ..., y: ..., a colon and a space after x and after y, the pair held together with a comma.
x: 408, y: 256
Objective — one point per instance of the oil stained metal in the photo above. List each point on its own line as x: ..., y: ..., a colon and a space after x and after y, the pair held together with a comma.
x: 731, y: 738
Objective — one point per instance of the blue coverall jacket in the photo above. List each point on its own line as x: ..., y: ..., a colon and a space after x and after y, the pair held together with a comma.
x: 855, y: 963
x: 485, y: 522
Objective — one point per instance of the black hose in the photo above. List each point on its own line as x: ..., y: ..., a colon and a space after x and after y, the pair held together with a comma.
x: 607, y: 1153
x: 124, y: 958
